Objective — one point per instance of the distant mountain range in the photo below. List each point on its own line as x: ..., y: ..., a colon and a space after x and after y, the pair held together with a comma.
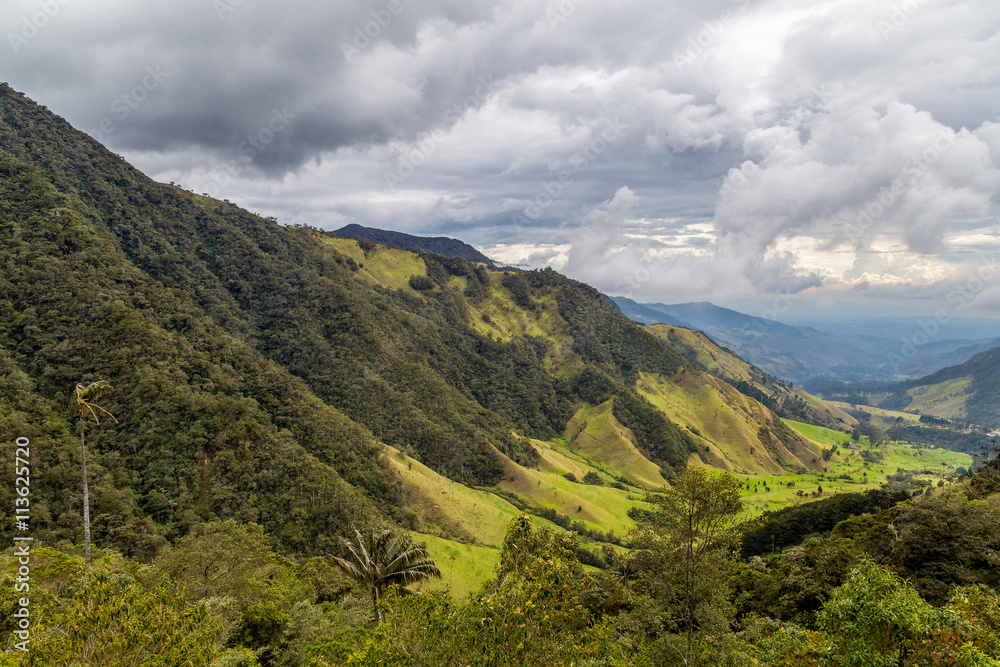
x: 441, y: 245
x: 802, y: 353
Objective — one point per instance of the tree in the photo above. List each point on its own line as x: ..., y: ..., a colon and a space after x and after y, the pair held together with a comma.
x: 379, y: 558
x: 985, y: 478
x: 118, y: 622
x: 876, y: 618
x: 86, y: 397
x: 691, y: 529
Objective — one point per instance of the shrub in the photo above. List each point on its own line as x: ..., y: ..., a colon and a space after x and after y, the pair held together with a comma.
x: 421, y: 283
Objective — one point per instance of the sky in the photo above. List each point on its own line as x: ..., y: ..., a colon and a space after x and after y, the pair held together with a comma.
x: 795, y: 157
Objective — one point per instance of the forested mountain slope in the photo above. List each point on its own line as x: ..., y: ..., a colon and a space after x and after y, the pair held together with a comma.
x: 257, y: 368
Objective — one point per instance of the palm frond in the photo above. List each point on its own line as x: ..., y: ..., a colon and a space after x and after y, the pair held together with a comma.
x: 85, y: 397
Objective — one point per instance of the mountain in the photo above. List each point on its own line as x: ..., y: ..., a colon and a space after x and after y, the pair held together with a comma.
x: 441, y: 245
x: 809, y: 355
x: 793, y: 353
x: 308, y: 383
x: 969, y: 391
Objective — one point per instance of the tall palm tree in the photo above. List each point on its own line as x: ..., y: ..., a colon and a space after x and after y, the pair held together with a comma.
x: 85, y: 403
x: 379, y: 558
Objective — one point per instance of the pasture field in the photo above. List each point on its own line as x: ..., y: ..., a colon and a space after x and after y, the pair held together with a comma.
x: 849, y: 471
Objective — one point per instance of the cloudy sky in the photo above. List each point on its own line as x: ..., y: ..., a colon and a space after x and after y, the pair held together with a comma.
x: 841, y: 155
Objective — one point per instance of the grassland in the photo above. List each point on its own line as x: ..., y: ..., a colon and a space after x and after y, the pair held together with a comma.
x: 945, y: 399
x: 882, y: 418
x: 601, y: 508
x: 824, y: 436
x: 464, y: 567
x: 705, y: 352
x: 595, y: 435
x: 450, y: 509
x: 849, y: 472
x: 389, y: 267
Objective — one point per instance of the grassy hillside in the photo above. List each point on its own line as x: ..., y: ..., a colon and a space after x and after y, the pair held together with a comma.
x: 947, y: 399
x: 597, y: 436
x: 777, y: 395
x: 969, y: 391
x: 736, y: 432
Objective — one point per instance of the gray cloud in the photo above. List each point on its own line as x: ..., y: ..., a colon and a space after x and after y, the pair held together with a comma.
x: 763, y: 146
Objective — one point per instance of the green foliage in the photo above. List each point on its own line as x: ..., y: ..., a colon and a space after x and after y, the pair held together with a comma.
x: 795, y: 585
x: 661, y: 440
x: 593, y: 478
x: 519, y: 288
x: 421, y: 283
x: 876, y: 619
x: 117, y: 621
x: 686, y: 544
x: 261, y: 625
x: 233, y: 569
x: 946, y: 542
x: 530, y: 614
x: 789, y: 526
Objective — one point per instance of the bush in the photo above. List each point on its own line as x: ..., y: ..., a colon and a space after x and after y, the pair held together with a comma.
x: 593, y: 479
x: 421, y: 283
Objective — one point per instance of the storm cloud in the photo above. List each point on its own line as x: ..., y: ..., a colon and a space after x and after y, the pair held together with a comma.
x: 844, y: 149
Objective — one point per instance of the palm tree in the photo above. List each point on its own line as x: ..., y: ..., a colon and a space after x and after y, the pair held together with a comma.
x: 85, y: 402
x: 379, y: 558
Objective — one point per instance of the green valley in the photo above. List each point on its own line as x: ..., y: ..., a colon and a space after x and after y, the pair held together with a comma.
x: 292, y: 405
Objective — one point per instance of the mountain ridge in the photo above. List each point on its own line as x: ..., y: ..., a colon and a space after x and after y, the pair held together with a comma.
x: 806, y: 354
